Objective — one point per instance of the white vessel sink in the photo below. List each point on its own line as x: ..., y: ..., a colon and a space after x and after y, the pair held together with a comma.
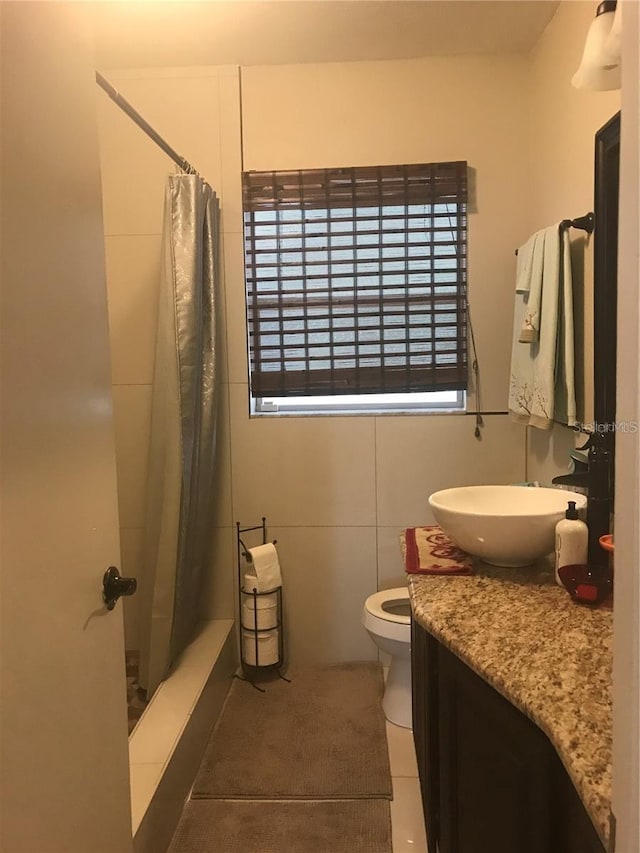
x: 503, y: 525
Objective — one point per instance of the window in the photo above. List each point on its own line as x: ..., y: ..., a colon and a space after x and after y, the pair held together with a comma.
x: 356, y: 281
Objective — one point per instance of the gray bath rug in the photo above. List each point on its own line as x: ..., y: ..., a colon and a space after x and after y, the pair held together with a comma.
x: 218, y: 826
x: 320, y: 737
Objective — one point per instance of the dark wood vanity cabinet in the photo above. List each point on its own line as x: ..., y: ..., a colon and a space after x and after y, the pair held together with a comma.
x: 494, y: 768
x: 572, y: 830
x: 424, y: 694
x: 491, y: 781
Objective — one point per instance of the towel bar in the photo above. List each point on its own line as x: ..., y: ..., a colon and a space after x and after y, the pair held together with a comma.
x: 582, y: 223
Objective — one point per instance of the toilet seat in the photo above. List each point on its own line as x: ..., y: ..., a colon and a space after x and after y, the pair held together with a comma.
x: 375, y: 605
x: 378, y: 621
x: 391, y: 632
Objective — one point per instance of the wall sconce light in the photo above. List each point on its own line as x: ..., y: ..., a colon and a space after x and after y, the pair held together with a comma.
x: 600, y: 65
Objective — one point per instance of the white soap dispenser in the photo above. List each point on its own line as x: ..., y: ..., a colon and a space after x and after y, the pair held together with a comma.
x: 572, y: 539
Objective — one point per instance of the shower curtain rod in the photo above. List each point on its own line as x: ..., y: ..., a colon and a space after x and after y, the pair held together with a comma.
x: 124, y: 105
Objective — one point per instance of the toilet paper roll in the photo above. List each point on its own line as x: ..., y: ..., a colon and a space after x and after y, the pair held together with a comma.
x: 259, y: 618
x: 266, y: 566
x: 263, y: 600
x: 267, y: 648
x: 250, y: 582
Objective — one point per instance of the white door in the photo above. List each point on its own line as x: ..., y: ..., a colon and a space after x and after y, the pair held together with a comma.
x: 64, y: 764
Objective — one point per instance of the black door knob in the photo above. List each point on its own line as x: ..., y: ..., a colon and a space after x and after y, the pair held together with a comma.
x: 114, y: 585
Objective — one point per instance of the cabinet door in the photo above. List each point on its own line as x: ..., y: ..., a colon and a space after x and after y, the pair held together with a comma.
x: 424, y: 684
x: 494, y: 768
x: 572, y: 829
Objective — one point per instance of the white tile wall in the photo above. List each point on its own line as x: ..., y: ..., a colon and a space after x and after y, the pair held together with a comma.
x: 337, y: 492
x: 218, y: 597
x: 391, y: 571
x: 235, y: 307
x: 230, y: 143
x: 337, y: 489
x: 548, y: 452
x: 221, y: 511
x: 185, y: 111
x: 133, y: 173
x: 327, y: 573
x: 131, y: 539
x: 416, y: 456
x: 132, y: 421
x: 222, y: 323
x: 302, y: 471
x: 133, y: 272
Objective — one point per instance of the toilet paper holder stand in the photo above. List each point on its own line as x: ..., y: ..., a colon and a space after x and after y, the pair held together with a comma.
x: 262, y: 636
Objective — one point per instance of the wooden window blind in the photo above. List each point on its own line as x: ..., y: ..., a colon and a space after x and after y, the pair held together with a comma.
x: 356, y: 279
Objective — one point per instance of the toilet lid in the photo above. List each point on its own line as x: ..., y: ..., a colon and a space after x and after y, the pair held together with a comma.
x: 392, y: 605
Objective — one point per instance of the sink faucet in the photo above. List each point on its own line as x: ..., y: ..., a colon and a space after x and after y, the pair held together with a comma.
x: 597, y: 480
x: 577, y: 478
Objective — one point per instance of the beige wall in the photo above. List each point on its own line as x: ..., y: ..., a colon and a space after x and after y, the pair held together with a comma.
x: 563, y: 122
x: 197, y: 111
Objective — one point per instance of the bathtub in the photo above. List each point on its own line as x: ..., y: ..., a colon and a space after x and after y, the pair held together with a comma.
x: 167, y: 744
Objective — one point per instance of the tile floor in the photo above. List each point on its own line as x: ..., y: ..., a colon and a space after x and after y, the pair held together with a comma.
x: 407, y: 823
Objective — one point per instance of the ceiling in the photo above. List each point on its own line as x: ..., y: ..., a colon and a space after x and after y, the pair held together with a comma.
x: 267, y: 32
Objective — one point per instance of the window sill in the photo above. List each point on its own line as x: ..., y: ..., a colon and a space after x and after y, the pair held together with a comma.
x: 359, y: 413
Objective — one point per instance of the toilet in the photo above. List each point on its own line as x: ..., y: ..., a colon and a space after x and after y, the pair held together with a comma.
x: 387, y: 618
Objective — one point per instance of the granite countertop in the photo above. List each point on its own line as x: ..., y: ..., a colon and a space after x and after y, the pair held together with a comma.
x: 549, y: 656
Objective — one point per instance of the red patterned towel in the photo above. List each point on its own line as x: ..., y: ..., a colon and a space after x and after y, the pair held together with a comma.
x: 429, y: 551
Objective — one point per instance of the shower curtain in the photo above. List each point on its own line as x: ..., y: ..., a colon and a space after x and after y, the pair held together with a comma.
x: 182, y: 446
